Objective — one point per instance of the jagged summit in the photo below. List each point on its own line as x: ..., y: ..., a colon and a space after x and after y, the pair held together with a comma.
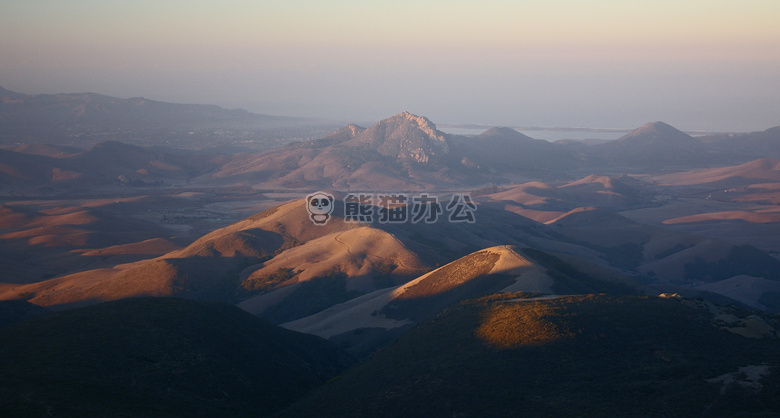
x: 423, y: 123
x: 346, y: 133
x: 353, y: 129
x: 406, y: 137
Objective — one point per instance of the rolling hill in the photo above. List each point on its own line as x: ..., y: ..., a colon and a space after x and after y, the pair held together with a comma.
x: 654, y: 144
x: 658, y: 145
x: 738, y: 148
x: 211, y: 266
x: 366, y: 322
x: 507, y: 355
x: 505, y: 150
x: 206, y: 269
x: 109, y: 165
x: 363, y: 323
x: 283, y: 267
x: 545, y: 202
x: 41, y: 242
x: 763, y: 170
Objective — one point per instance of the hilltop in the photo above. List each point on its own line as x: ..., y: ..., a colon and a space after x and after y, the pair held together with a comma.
x: 509, y: 354
x: 366, y: 322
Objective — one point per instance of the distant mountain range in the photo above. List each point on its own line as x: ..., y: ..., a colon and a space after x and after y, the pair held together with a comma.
x: 83, y: 119
x: 26, y: 114
x: 403, y: 152
x: 56, y: 169
x: 407, y: 152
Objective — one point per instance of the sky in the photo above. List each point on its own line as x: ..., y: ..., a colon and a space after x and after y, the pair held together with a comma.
x: 710, y: 65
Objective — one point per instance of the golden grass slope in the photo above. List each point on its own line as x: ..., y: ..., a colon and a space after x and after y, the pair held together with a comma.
x: 199, y: 270
x: 209, y: 267
x: 355, y: 252
x: 490, y: 261
x: 366, y: 311
x: 545, y: 203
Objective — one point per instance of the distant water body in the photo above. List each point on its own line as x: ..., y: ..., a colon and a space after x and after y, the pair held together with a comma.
x: 548, y: 134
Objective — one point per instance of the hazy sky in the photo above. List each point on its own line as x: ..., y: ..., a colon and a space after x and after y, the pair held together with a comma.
x: 696, y: 64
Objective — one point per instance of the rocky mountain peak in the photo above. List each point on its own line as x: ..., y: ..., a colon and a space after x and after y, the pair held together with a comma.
x: 406, y: 137
x: 424, y: 124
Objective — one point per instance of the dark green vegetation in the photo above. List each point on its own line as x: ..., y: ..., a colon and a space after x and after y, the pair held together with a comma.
x: 572, y: 356
x: 158, y: 357
x: 743, y: 259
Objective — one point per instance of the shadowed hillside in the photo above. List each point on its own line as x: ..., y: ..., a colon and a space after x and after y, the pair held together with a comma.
x: 158, y: 357
x: 571, y: 356
x: 13, y: 311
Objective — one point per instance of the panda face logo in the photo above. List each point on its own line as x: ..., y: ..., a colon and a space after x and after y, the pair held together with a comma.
x: 320, y: 206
